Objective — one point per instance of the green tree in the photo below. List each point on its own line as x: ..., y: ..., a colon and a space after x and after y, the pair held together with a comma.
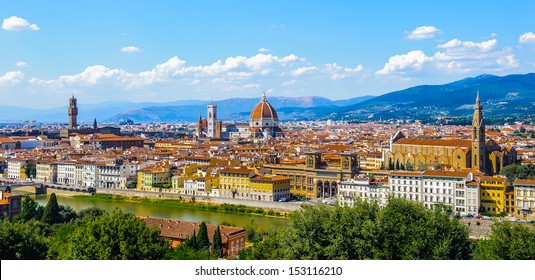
x: 517, y: 171
x: 217, y: 243
x: 203, y: 242
x: 51, y: 214
x: 67, y: 213
x: 401, y: 230
x: 184, y: 252
x: 192, y: 241
x: 115, y: 236
x: 31, y: 210
x: 407, y: 230
x: 397, y: 165
x: 30, y: 170
x: 507, y: 242
x: 90, y: 212
x: 22, y: 241
x: 409, y: 166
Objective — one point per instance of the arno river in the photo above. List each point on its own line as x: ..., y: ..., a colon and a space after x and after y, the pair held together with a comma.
x: 175, y: 213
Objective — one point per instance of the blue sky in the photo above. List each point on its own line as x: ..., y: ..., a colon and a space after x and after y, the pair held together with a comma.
x: 103, y: 51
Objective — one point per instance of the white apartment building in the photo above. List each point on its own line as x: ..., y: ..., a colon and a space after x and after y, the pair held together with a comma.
x: 190, y: 187
x: 433, y: 187
x: 89, y: 175
x: 66, y: 172
x: 448, y: 188
x: 108, y: 176
x: 78, y: 174
x: 14, y: 166
x: 525, y: 198
x: 472, y: 198
x: 364, y: 189
x: 406, y: 184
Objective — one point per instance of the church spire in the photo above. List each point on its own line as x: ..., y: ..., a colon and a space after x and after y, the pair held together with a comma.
x: 478, y: 137
x: 478, y: 101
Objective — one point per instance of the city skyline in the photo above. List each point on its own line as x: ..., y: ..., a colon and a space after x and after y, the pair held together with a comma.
x: 103, y: 52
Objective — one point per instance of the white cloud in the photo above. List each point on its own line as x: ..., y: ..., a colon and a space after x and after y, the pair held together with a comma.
x: 11, y: 78
x: 303, y: 70
x: 413, y: 60
x: 223, y: 78
x: 456, y: 57
x: 21, y: 64
x: 458, y: 45
x: 527, y: 38
x: 18, y: 24
x: 130, y: 49
x: 423, y: 32
x: 289, y: 83
x: 337, y: 72
x: 263, y: 50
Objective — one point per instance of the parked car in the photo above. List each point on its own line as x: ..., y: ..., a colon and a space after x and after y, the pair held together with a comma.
x: 469, y: 216
x: 284, y: 199
x: 479, y: 217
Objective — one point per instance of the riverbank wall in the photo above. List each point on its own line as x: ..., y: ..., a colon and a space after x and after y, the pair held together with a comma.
x: 268, y: 205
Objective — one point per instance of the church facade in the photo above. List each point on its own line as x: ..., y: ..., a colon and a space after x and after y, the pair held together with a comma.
x: 476, y: 154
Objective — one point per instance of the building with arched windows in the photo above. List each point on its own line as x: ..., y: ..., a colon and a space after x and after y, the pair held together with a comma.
x: 476, y: 153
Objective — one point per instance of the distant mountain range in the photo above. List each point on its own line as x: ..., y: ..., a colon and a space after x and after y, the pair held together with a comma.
x: 512, y: 96
x: 235, y: 109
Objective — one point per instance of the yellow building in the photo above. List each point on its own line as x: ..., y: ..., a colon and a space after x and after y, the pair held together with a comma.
x: 525, y: 198
x: 509, y: 200
x: 235, y: 182
x: 269, y: 188
x: 23, y: 175
x: 153, y: 177
x: 492, y: 194
x: 318, y: 176
x: 476, y: 154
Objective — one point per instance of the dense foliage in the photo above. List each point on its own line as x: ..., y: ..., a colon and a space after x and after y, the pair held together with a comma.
x: 401, y: 230
x: 517, y: 171
x: 507, y: 242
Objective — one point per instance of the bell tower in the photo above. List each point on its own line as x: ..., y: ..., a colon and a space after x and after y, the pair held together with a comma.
x: 478, y: 138
x: 73, y: 113
x: 212, y: 117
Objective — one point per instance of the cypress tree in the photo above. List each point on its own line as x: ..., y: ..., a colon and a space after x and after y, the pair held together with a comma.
x: 397, y: 164
x: 217, y: 243
x: 192, y: 241
x: 203, y: 242
x: 51, y: 214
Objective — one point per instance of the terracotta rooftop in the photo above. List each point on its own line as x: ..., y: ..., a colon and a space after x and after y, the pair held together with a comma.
x: 183, y: 230
x: 435, y: 142
x: 529, y: 182
x: 445, y: 173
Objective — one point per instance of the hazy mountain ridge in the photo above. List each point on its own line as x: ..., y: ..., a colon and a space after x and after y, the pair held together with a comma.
x: 512, y: 95
x: 237, y: 109
x: 500, y: 96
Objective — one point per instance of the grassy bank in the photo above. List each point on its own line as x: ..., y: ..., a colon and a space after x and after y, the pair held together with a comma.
x: 182, y: 203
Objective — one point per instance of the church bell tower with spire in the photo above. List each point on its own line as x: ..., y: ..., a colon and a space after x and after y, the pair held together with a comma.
x: 478, y: 138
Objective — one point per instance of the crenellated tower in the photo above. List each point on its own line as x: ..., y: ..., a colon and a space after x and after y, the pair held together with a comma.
x: 73, y: 113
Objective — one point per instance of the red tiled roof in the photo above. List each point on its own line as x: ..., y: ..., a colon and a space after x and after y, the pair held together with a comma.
x: 183, y: 230
x: 435, y: 142
x: 529, y: 182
